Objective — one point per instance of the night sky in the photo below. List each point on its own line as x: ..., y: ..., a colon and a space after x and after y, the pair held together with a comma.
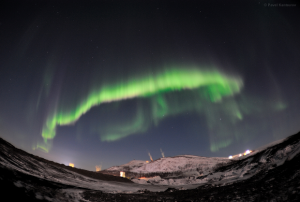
x: 106, y: 82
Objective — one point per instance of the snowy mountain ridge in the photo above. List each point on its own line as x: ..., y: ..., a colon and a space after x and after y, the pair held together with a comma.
x: 259, y: 162
x: 171, y: 164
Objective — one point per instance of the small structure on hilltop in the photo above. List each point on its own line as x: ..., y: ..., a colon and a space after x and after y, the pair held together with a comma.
x: 150, y: 157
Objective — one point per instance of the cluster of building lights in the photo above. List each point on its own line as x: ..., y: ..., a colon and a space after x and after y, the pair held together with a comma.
x: 239, y: 155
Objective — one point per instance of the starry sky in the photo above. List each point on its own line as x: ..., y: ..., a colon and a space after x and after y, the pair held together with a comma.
x: 105, y: 82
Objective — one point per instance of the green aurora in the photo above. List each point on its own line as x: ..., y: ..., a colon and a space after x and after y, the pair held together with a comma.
x: 211, y: 85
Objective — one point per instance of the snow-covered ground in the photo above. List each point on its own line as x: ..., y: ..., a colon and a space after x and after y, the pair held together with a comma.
x: 24, y: 163
x: 268, y: 168
x: 201, y: 170
x: 182, y: 163
x: 195, y: 170
x: 189, y: 166
x: 264, y: 158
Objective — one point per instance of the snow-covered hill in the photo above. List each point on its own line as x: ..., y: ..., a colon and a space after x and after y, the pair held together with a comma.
x: 260, y: 161
x: 264, y: 160
x: 171, y: 164
x: 202, y: 170
x: 128, y: 166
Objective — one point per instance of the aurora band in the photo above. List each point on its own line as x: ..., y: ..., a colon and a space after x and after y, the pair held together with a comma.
x: 215, y: 84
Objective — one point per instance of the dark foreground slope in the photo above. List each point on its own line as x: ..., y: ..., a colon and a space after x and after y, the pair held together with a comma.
x: 16, y: 186
x: 24, y: 176
x: 28, y: 162
x: 271, y: 182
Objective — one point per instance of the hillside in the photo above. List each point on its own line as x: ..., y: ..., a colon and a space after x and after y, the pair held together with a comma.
x: 211, y: 170
x: 17, y: 159
x: 271, y: 173
x: 171, y: 164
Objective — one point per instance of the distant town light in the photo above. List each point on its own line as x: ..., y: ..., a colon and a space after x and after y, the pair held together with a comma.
x: 239, y: 155
x: 98, y: 168
x: 71, y: 165
x: 247, y: 152
x: 122, y: 174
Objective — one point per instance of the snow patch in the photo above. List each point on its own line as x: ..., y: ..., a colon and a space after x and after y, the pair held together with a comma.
x: 39, y: 196
x: 18, y: 184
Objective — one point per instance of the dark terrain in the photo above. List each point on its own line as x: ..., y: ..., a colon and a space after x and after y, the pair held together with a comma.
x: 270, y: 183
